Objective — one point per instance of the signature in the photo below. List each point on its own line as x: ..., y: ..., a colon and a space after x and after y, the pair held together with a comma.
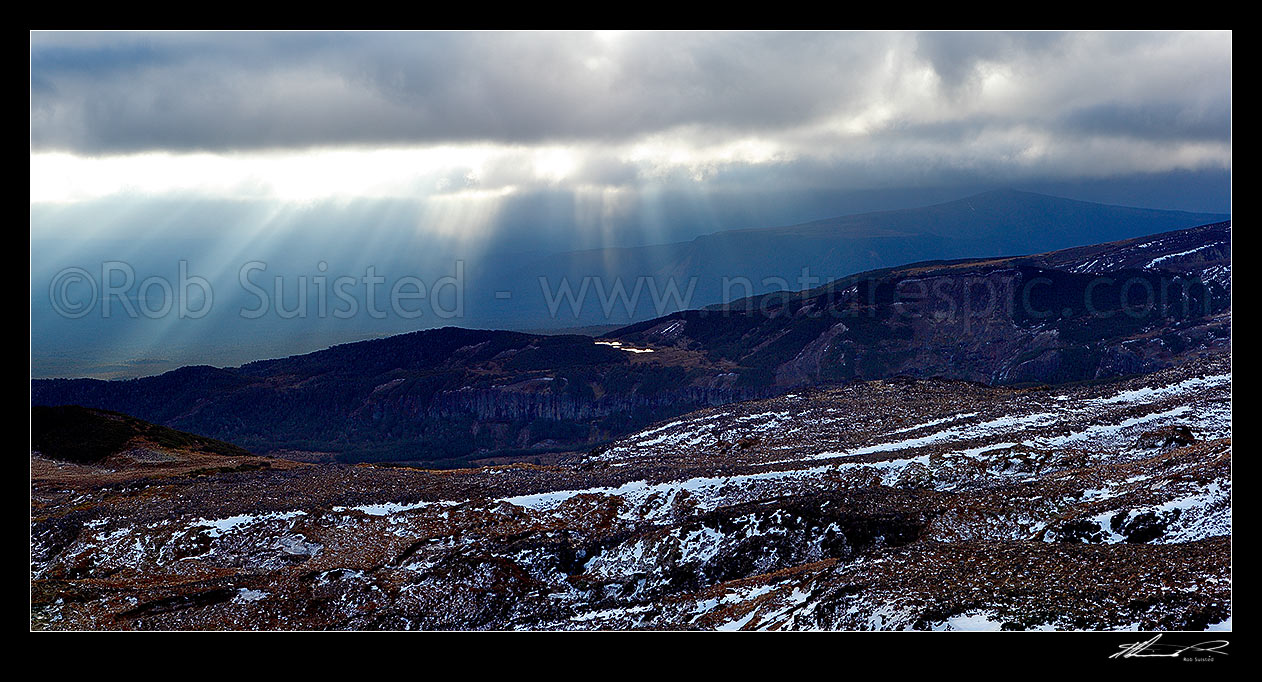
x: 1151, y: 649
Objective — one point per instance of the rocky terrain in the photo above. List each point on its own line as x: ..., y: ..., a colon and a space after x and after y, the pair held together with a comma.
x: 449, y: 397
x: 895, y: 503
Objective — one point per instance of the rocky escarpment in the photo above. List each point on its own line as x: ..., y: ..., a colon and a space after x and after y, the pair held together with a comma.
x: 440, y: 396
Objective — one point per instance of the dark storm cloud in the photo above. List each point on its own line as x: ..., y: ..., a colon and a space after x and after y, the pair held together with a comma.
x: 1171, y: 120
x: 125, y: 93
x: 955, y: 56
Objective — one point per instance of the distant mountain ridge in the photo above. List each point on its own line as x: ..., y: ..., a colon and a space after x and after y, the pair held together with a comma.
x: 992, y: 224
x: 450, y: 395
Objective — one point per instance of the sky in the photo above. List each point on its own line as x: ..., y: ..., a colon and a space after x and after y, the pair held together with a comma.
x: 306, y: 146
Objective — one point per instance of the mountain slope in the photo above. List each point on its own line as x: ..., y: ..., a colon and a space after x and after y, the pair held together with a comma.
x: 76, y: 434
x: 72, y: 446
x: 1079, y: 314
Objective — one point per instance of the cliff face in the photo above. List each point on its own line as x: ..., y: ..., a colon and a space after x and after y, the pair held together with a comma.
x: 499, y: 405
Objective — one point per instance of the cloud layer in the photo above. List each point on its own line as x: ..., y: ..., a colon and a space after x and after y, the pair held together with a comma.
x: 629, y: 107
